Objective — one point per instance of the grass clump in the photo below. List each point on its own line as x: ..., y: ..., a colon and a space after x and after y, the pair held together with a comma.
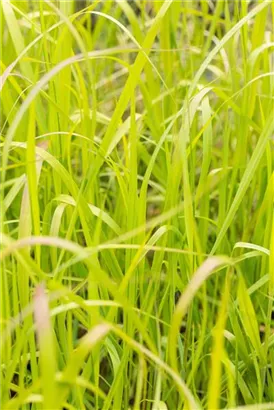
x: 137, y: 205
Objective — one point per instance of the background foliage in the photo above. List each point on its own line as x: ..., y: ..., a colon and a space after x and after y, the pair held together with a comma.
x: 137, y: 197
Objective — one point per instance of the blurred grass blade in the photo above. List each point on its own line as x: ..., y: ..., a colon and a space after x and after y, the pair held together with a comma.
x: 47, y: 356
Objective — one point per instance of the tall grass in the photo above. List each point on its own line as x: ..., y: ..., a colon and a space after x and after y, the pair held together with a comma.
x: 137, y: 204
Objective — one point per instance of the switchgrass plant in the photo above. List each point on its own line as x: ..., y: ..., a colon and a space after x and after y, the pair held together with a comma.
x: 137, y: 205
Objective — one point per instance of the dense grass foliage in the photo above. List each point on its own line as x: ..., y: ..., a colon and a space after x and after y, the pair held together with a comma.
x: 137, y: 204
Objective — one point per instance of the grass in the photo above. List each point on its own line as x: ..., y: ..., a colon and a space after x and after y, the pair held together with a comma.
x: 137, y: 205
